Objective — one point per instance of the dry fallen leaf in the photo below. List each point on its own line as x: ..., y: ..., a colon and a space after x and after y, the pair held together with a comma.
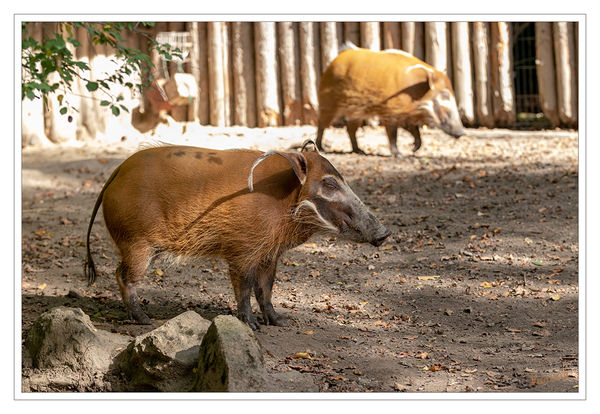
x: 555, y: 296
x: 302, y: 355
x: 308, y: 332
x: 433, y: 277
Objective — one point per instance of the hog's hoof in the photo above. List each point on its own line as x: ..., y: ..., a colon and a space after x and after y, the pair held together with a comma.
x: 359, y: 151
x: 139, y: 317
x: 275, y: 319
x: 250, y: 320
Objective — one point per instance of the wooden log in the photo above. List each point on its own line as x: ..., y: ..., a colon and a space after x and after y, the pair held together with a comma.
x: 329, y: 43
x: 462, y: 83
x: 267, y: 99
x: 290, y: 69
x: 32, y: 111
x: 436, y: 45
x: 564, y: 47
x: 309, y: 70
x: 412, y: 37
x: 57, y: 127
x: 369, y: 35
x: 481, y: 65
x: 546, y: 75
x: 179, y: 112
x: 501, y: 75
x: 194, y: 69
x: 203, y: 82
x: 244, y: 89
x: 86, y: 123
x: 391, y: 35
x: 352, y: 32
x: 216, y: 77
x: 227, y: 73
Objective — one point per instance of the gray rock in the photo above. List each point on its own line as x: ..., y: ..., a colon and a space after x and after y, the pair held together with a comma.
x: 65, y: 337
x: 164, y: 359
x: 68, y: 353
x: 230, y: 359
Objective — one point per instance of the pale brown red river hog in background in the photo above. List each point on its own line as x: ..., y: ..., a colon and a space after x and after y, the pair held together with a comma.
x: 244, y: 206
x: 393, y: 85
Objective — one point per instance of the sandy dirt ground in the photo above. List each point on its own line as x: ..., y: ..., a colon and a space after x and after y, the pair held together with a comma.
x: 475, y: 291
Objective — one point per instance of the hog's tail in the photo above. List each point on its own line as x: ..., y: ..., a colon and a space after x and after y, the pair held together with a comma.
x: 89, y: 268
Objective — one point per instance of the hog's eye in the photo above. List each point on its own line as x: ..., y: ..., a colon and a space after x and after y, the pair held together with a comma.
x: 330, y: 183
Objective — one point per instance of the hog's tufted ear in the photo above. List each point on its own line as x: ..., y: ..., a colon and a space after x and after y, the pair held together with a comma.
x: 309, y: 145
x: 296, y: 159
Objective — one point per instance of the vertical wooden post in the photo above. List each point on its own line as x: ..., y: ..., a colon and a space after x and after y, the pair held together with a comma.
x: 501, y: 71
x: 194, y: 67
x: 329, y: 43
x: 227, y: 73
x: 463, y: 86
x: 481, y: 64
x: 267, y: 98
x: 412, y: 38
x: 369, y: 35
x: 290, y: 69
x: 56, y: 126
x: 242, y: 55
x: 203, y: 75
x: 436, y: 47
x: 87, y: 126
x: 216, y: 73
x: 32, y: 111
x: 565, y: 76
x: 179, y: 112
x: 309, y: 61
x: 546, y: 76
x: 352, y: 32
x: 391, y: 35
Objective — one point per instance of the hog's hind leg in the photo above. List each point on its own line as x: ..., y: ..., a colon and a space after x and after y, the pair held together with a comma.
x: 130, y: 270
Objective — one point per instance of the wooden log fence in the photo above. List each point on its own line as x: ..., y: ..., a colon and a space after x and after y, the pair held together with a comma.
x: 267, y: 73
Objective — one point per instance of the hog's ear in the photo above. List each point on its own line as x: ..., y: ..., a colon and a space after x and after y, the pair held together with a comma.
x: 431, y: 78
x: 309, y: 145
x: 296, y: 159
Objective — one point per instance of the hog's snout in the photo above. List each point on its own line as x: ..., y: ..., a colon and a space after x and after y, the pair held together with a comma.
x: 379, y: 239
x: 458, y: 132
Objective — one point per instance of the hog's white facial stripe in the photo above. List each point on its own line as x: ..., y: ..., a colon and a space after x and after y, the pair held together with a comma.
x: 325, y: 224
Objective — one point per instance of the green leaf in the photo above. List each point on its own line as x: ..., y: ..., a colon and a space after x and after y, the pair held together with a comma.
x: 104, y: 103
x: 63, y: 110
x: 538, y: 263
x: 91, y: 86
x: 115, y: 111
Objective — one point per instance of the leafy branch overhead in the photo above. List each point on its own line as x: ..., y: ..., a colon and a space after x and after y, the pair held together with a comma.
x: 41, y: 60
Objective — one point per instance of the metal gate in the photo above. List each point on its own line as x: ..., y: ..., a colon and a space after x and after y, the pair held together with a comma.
x: 527, y: 102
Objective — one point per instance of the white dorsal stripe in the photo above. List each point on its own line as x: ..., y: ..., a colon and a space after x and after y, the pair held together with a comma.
x: 419, y: 65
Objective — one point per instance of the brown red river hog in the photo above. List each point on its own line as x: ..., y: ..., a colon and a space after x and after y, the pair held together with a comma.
x: 393, y: 85
x: 246, y: 207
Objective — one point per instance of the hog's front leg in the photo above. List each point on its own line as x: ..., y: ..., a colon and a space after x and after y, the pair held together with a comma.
x: 263, y: 287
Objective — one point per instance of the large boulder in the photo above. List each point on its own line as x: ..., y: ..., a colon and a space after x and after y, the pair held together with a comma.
x: 164, y: 359
x: 66, y: 337
x: 230, y: 358
x: 68, y: 353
